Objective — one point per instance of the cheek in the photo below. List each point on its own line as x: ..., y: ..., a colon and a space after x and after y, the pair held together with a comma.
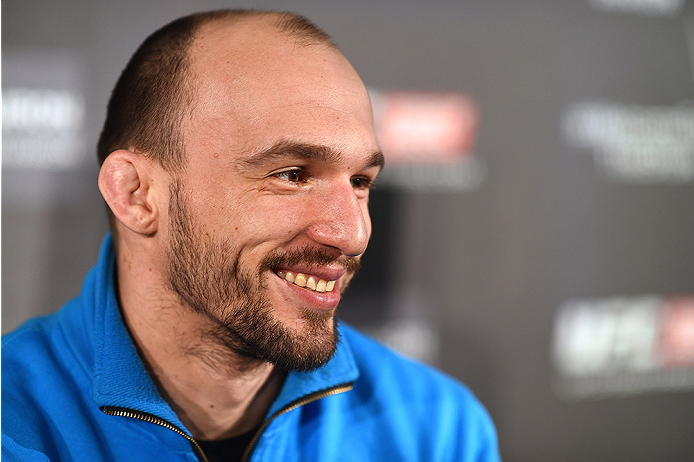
x: 230, y: 215
x: 274, y: 221
x: 262, y: 227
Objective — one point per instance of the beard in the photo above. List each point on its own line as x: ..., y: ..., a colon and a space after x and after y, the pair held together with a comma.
x: 207, y: 276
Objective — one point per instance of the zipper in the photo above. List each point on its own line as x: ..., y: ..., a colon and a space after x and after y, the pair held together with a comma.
x: 290, y: 407
x: 138, y: 415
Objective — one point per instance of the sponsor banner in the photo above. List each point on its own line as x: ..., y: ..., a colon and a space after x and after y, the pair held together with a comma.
x: 623, y: 345
x: 634, y: 144
x: 428, y: 139
x: 644, y: 7
x: 43, y: 111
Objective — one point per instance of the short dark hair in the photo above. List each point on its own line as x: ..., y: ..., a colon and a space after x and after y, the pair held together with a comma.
x: 155, y: 89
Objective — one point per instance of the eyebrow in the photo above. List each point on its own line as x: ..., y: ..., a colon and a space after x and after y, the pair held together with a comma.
x: 286, y: 149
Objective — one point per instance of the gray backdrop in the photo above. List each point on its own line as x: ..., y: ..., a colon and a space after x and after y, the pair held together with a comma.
x: 583, y: 224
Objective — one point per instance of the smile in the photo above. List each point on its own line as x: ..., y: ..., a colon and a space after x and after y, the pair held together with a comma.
x: 310, y: 282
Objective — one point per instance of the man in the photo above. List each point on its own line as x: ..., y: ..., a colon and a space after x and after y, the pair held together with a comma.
x: 237, y: 158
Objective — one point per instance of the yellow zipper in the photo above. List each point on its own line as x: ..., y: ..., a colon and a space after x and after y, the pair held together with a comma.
x: 290, y: 407
x: 122, y: 412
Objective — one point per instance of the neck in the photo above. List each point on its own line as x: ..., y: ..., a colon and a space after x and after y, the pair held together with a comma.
x: 216, y: 393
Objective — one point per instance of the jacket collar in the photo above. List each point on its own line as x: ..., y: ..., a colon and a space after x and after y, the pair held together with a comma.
x: 120, y: 377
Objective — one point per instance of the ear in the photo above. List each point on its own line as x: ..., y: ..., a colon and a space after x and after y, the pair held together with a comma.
x: 125, y: 182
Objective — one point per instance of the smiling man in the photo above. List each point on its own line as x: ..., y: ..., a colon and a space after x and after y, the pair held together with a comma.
x: 237, y: 157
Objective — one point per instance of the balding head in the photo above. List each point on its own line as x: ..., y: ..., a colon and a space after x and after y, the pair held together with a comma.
x: 155, y: 90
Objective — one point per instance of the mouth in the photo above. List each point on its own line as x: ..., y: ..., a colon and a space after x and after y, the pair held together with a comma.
x: 307, y: 281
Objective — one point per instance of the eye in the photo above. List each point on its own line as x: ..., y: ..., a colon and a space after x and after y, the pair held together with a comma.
x: 297, y: 176
x: 360, y: 182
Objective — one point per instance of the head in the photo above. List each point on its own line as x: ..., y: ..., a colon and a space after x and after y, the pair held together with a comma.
x: 237, y: 158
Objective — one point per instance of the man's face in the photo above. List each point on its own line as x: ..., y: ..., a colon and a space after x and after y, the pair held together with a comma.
x: 270, y: 217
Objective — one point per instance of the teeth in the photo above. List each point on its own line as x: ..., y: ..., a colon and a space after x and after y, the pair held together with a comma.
x: 318, y: 285
x: 300, y: 280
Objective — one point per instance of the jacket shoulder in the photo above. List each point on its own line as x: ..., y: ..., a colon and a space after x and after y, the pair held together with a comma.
x: 378, y: 362
x: 41, y: 343
x: 40, y: 376
x: 24, y: 346
x: 410, y: 401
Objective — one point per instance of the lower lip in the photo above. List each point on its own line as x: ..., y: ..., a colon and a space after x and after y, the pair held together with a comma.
x: 322, y: 301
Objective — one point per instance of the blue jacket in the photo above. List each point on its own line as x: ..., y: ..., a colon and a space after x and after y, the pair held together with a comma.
x: 74, y: 388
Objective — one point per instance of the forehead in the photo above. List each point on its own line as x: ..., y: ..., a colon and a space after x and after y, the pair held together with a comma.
x: 256, y: 85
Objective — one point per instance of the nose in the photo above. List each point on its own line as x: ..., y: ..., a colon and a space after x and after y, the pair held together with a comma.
x: 342, y: 221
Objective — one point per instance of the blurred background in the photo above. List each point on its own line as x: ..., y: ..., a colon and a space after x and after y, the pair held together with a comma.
x: 532, y: 230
